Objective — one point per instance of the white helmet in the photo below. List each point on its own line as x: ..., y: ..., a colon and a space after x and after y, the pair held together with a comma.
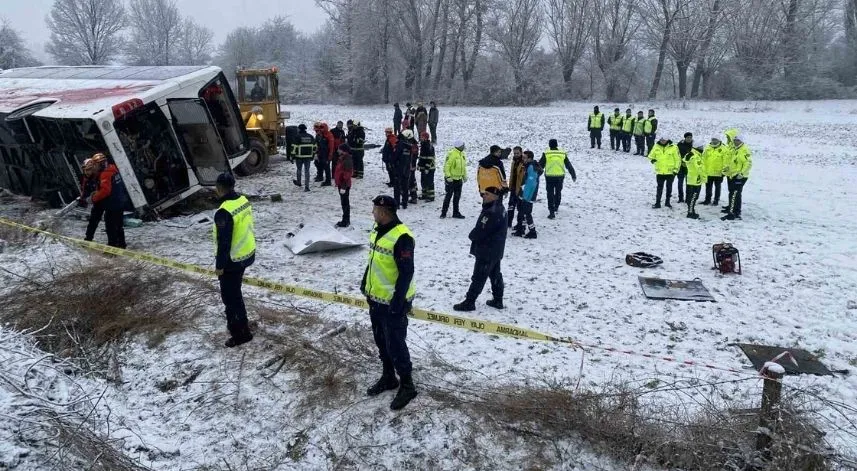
x: 408, y: 134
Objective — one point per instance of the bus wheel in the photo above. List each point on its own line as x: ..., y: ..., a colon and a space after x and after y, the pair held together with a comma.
x: 256, y: 161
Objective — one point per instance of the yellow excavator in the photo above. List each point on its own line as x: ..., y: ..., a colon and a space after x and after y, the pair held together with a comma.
x: 259, y: 101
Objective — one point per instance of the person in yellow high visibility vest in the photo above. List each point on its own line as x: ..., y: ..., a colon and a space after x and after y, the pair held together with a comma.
x: 615, y: 122
x: 595, y: 124
x: 235, y: 250
x: 696, y: 176
x: 650, y: 128
x: 555, y: 162
x: 627, y: 130
x: 738, y: 172
x: 666, y: 161
x: 388, y: 284
x: 638, y: 128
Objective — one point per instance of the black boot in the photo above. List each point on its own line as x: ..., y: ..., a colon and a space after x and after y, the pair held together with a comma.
x: 458, y: 216
x: 387, y: 382
x: 552, y: 215
x: 656, y: 206
x: 407, y: 391
x: 510, y: 218
x: 234, y: 342
x: 342, y: 224
x: 466, y: 305
x: 532, y: 234
x: 297, y: 182
x: 519, y: 232
x: 495, y: 303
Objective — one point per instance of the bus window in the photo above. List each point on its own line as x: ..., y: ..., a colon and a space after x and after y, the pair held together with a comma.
x: 200, y: 140
x: 218, y: 98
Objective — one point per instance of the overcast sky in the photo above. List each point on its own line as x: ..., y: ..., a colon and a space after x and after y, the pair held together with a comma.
x: 222, y: 16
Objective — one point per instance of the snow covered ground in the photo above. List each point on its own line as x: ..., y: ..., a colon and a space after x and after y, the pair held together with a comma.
x: 799, y: 288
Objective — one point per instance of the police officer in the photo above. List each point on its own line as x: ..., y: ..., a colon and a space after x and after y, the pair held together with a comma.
x: 640, y: 134
x: 595, y: 124
x: 615, y: 121
x: 650, y: 129
x: 685, y: 147
x: 738, y: 171
x: 303, y: 151
x: 666, y: 161
x: 627, y: 130
x: 388, y: 284
x: 235, y: 248
x: 555, y: 162
x: 487, y: 244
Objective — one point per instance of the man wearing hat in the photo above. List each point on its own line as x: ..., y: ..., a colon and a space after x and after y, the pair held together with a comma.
x: 615, y: 121
x: 595, y: 124
x: 737, y: 172
x: 303, y: 151
x: 685, y: 146
x: 487, y: 244
x: 650, y: 128
x: 555, y: 162
x: 666, y: 161
x: 235, y: 249
x: 388, y: 284
x: 454, y: 175
x: 105, y: 191
x: 713, y: 157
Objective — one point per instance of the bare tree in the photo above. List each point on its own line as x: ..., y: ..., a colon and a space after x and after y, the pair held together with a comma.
x: 473, y: 40
x: 516, y: 29
x: 412, y: 18
x: 660, y: 16
x: 85, y: 32
x: 13, y: 52
x: 156, y: 28
x: 688, y: 36
x: 713, y: 22
x: 194, y: 44
x: 614, y: 30
x: 570, y: 27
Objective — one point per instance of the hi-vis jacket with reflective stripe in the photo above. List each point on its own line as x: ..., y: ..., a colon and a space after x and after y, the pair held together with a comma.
x: 555, y: 162
x: 243, y: 244
x: 382, y: 273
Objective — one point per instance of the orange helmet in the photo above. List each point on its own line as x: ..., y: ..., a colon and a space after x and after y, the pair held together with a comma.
x: 98, y: 158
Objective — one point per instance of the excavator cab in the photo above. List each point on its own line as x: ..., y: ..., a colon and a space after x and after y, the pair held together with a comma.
x: 259, y: 101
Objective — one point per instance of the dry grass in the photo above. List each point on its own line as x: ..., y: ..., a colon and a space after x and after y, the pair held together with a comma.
x: 83, y: 311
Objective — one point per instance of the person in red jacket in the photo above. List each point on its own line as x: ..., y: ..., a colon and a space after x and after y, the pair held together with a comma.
x: 88, y: 185
x: 342, y: 177
x: 111, y: 197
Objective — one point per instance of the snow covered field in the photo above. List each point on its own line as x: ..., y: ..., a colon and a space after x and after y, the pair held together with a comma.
x: 799, y: 288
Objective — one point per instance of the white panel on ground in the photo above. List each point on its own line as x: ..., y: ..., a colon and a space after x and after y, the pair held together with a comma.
x: 311, y: 238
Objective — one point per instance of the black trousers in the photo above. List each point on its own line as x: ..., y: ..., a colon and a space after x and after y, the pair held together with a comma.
x: 682, y: 174
x: 650, y: 143
x: 233, y: 300
x: 390, y: 331
x: 453, y: 192
x: 715, y: 184
x: 391, y: 172
x: 595, y: 138
x: 357, y: 157
x: 95, y: 215
x: 525, y: 214
x: 735, y: 194
x: 554, y: 190
x: 397, y: 127
x: 427, y: 184
x: 692, y: 197
x: 640, y: 143
x: 433, y: 131
x: 322, y: 170
x: 510, y: 210
x: 665, y: 180
x: 615, y: 139
x: 483, y: 270
x: 412, y: 186
x: 401, y: 186
x: 626, y: 141
x: 114, y: 223
x: 345, y: 202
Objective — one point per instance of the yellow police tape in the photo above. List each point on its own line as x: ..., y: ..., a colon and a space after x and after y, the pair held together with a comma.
x: 477, y: 325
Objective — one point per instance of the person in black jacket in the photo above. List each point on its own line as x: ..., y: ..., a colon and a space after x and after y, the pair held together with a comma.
x: 397, y: 118
x: 426, y: 166
x: 355, y: 139
x: 488, y: 242
x: 685, y: 147
x: 230, y: 273
x: 404, y: 161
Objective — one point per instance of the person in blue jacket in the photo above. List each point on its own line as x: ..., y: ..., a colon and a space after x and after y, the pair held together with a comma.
x: 527, y: 195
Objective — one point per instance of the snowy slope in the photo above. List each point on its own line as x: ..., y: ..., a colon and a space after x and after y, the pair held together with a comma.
x: 796, y: 240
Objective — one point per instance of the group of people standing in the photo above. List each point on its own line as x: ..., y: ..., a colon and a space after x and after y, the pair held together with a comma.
x: 418, y: 119
x: 622, y: 127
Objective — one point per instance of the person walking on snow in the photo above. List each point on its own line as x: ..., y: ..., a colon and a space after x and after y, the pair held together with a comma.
x: 388, y: 284
x: 426, y: 166
x: 527, y: 195
x: 713, y: 158
x: 516, y: 179
x: 342, y: 177
x: 555, y: 162
x: 235, y: 249
x: 615, y: 121
x: 664, y: 156
x: 595, y: 124
x: 685, y: 146
x: 487, y: 244
x: 695, y: 178
x: 454, y: 176
x: 738, y: 172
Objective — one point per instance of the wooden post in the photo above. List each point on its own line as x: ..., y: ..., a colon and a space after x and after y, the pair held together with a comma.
x: 769, y: 415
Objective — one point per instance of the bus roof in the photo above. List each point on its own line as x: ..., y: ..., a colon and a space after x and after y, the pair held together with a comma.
x: 88, y: 92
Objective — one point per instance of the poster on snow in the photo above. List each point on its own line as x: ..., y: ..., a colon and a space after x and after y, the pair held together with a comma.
x: 657, y: 288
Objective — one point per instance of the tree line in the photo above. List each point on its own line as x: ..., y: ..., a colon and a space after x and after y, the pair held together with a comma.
x: 490, y: 52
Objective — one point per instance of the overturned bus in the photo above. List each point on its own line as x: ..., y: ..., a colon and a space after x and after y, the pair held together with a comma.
x: 169, y: 130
